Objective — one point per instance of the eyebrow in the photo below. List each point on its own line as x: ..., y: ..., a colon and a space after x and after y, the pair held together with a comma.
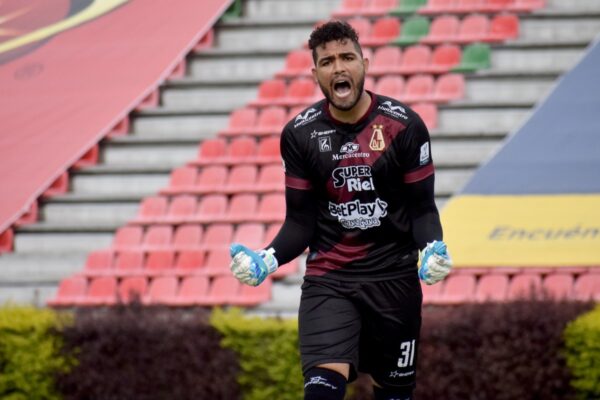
x: 346, y: 53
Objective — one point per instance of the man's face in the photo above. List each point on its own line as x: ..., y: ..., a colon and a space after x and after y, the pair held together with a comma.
x: 340, y: 71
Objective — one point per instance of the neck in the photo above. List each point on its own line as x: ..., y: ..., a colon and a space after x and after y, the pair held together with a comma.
x: 355, y: 113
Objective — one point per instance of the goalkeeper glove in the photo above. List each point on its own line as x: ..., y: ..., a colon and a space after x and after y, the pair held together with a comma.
x: 435, y: 262
x: 251, y: 267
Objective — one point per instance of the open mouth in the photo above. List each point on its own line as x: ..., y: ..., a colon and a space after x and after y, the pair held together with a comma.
x: 342, y: 87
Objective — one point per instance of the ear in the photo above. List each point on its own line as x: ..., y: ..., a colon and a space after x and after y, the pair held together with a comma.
x: 366, y: 64
x: 314, y: 74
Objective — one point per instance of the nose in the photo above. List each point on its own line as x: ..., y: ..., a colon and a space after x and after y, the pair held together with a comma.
x: 339, y: 65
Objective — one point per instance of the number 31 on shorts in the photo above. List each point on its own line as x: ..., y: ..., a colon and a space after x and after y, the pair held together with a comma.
x: 407, y: 354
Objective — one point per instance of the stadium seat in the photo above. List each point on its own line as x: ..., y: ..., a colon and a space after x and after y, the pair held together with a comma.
x: 99, y: 262
x: 443, y: 29
x: 418, y: 88
x: 298, y: 63
x: 242, y: 178
x: 6, y: 241
x: 385, y: 60
x: 192, y: 291
x: 286, y: 270
x: 435, y: 7
x: 271, y: 178
x: 413, y: 29
x: 496, y: 6
x: 157, y: 237
x: 248, y: 296
x: 416, y: 59
x: 223, y: 290
x: 241, y: 121
x: 383, y: 31
x: 271, y: 232
x: 211, y: 150
x: 432, y: 294
x: 187, y: 237
x: 101, y: 291
x: 350, y: 8
x: 162, y: 290
x: 524, y: 285
x: 210, y: 208
x: 469, y: 6
x: 475, y: 56
x: 240, y: 149
x: 428, y: 113
x: 251, y: 234
x: 218, y: 235
x: 390, y: 85
x: 242, y: 207
x: 492, y: 287
x: 271, y: 121
x: 362, y: 26
x: 473, y: 28
x: 503, y: 27
x: 181, y: 208
x: 369, y: 83
x: 459, y: 288
x: 132, y: 288
x: 152, y: 210
x: 182, y: 180
x: 443, y: 58
x: 448, y: 87
x: 129, y: 262
x: 378, y: 8
x: 128, y: 236
x: 217, y: 262
x: 587, y: 286
x: 271, y: 208
x: 211, y: 178
x: 189, y: 262
x: 559, y: 285
x: 270, y: 91
x: 268, y: 151
x: 160, y: 262
x: 408, y: 7
x: 71, y: 291
x: 301, y: 91
x: 527, y: 5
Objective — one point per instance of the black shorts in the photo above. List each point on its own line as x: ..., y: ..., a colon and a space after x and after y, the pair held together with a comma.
x: 372, y: 325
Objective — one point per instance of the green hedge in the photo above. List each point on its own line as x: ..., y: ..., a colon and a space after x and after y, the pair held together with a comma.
x: 268, y: 354
x: 30, y: 356
x: 582, y: 342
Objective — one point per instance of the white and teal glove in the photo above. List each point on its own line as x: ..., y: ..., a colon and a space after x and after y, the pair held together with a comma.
x: 435, y: 262
x: 251, y: 267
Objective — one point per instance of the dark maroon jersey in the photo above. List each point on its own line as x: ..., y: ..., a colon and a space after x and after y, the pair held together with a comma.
x: 358, y: 172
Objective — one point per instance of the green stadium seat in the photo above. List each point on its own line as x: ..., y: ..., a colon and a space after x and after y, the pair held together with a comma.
x: 475, y: 56
x: 407, y: 7
x: 413, y: 29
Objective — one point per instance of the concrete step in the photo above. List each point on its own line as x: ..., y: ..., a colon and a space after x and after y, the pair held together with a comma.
x: 282, y: 9
x: 132, y: 182
x: 39, y: 238
x: 40, y: 268
x: 116, y: 212
x: 156, y: 123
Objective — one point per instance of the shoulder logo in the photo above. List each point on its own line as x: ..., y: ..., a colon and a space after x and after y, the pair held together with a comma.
x: 377, y: 142
x: 304, y: 118
x: 394, y: 110
x: 388, y: 104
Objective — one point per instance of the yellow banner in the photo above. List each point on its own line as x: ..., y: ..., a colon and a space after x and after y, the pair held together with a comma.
x: 523, y: 231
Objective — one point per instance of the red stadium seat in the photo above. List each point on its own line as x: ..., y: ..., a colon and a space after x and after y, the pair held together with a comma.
x: 270, y: 179
x: 99, y: 262
x: 242, y: 207
x: 193, y: 291
x: 129, y: 262
x: 268, y: 151
x: 217, y: 262
x: 524, y: 285
x: 6, y: 241
x: 432, y: 294
x: 386, y: 60
x: 418, y: 88
x: 218, y: 235
x: 187, y: 237
x: 350, y: 8
x: 242, y: 178
x: 132, y: 288
x: 300, y: 91
x: 152, y: 209
x: 492, y: 287
x: 241, y: 121
x: 444, y: 58
x: 180, y: 209
x: 271, y: 232
x: 211, y: 179
x: 211, y: 150
x: 298, y: 62
x: 271, y: 208
x: 223, y: 290
x: 182, y: 180
x: 434, y: 7
x: 362, y: 26
x: 251, y: 234
x: 587, y: 286
x: 270, y: 121
x: 469, y: 6
x: 415, y: 60
x: 428, y: 113
x: 270, y: 91
x: 442, y: 29
x: 128, y: 236
x: 248, y: 296
x: 473, y: 28
x: 559, y: 285
x: 160, y: 262
x: 383, y: 31
x: 241, y: 149
x: 377, y: 8
x: 101, y: 291
x: 189, y: 262
x: 503, y: 27
x: 71, y: 291
x: 448, y: 87
x: 390, y: 85
x: 210, y: 208
x: 162, y: 290
x: 157, y: 237
x: 495, y: 6
x: 527, y: 5
x: 459, y: 288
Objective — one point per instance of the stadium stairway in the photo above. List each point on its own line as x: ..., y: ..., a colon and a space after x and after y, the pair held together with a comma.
x: 224, y: 78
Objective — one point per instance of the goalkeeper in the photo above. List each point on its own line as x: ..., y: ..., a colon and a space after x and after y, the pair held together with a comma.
x: 360, y: 195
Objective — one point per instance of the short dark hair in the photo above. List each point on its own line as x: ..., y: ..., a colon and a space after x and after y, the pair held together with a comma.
x: 332, y: 31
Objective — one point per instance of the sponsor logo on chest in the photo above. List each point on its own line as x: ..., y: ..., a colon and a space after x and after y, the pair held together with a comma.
x: 356, y: 178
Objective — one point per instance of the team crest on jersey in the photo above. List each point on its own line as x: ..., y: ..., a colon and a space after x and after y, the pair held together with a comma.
x: 377, y: 142
x: 309, y: 115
